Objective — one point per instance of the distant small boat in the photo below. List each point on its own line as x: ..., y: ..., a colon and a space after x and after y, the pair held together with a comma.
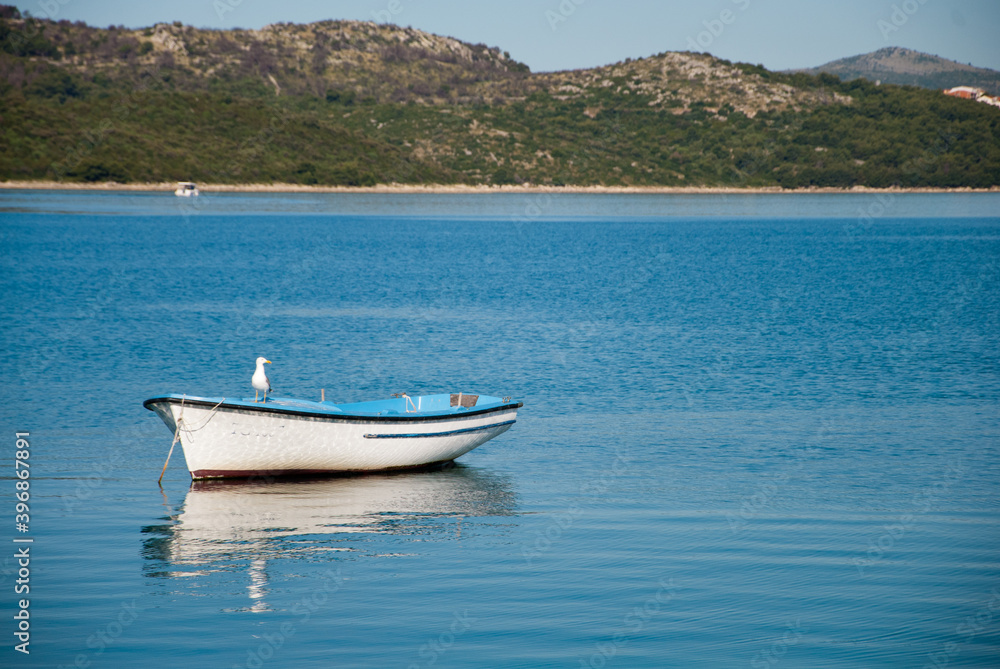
x: 236, y: 438
x: 186, y: 189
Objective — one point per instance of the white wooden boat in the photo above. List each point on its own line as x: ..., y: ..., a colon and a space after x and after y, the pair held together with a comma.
x: 186, y: 189
x: 225, y: 438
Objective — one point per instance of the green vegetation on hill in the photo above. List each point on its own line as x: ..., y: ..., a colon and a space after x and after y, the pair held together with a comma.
x: 346, y: 103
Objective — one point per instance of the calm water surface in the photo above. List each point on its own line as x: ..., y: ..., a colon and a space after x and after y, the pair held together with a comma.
x: 758, y: 430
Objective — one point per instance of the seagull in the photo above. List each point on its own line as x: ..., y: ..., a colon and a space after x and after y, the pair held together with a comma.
x: 260, y: 382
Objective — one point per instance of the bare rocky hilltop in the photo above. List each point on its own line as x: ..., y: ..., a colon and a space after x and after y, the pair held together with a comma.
x: 896, y: 65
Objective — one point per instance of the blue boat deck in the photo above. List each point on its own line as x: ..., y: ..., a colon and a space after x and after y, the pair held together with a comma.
x: 443, y: 404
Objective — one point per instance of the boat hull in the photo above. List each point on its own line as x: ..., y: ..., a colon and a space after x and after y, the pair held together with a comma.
x: 242, y: 439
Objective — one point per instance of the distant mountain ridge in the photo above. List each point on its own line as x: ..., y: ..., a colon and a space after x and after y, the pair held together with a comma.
x: 896, y: 65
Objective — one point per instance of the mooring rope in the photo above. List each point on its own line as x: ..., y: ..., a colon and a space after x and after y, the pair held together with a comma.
x: 177, y: 436
x: 177, y: 432
x: 211, y: 415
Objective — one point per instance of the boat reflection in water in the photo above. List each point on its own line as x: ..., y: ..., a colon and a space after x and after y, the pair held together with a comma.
x: 224, y: 525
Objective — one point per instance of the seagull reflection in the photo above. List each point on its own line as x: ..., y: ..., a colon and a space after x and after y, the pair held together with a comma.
x: 222, y: 524
x: 257, y: 589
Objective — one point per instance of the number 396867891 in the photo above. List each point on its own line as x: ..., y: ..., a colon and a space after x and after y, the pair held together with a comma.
x: 23, y: 485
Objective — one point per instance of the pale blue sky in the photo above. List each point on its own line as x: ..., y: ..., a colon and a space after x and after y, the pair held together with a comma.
x: 566, y: 34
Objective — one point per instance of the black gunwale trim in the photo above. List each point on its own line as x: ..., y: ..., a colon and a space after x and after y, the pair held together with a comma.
x: 416, y: 435
x: 333, y: 417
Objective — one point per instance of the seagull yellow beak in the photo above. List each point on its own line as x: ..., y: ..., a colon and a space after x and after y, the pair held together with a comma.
x: 268, y: 361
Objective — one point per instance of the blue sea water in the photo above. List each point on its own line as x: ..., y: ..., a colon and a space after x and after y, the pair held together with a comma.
x: 758, y: 430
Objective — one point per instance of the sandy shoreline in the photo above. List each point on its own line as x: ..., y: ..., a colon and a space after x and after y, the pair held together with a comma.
x: 463, y: 189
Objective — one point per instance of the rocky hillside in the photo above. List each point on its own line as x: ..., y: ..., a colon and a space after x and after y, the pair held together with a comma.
x: 895, y: 65
x: 358, y: 59
x: 356, y: 103
x: 354, y: 60
x: 680, y: 82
